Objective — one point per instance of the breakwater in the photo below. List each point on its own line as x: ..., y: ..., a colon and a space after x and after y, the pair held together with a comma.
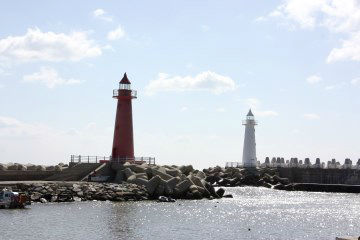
x: 179, y: 182
x: 78, y: 191
x: 320, y: 175
x: 131, y: 182
x: 281, y: 179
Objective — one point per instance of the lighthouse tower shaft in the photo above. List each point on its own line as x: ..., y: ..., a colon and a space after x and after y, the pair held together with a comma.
x: 123, y: 143
x: 249, y: 152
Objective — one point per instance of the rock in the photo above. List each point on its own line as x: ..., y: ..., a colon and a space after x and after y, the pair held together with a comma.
x: 173, y: 172
x: 211, y: 190
x: 38, y: 189
x: 131, y: 178
x: 43, y: 200
x: 54, y: 198
x: 58, y: 168
x: 128, y: 172
x: 186, y: 169
x: 136, y: 168
x: 220, y: 192
x: 120, y: 176
x: 50, y: 168
x: 140, y: 182
x: 267, y: 185
x: 166, y: 199
x: 141, y: 175
x: 21, y: 167
x: 289, y: 187
x: 201, y: 175
x: 193, y: 188
x: 228, y: 196
x: 40, y: 168
x: 3, y: 167
x: 279, y: 186
x: 160, y: 190
x: 183, y: 177
x: 35, y: 196
x: 183, y: 186
x: 152, y: 184
x: 77, y: 199
x: 196, y: 195
x: 224, y: 182
x: 212, y: 179
x: 234, y: 182
x: 163, y: 175
x: 196, y: 181
x: 283, y: 181
x: 12, y: 167
x: 171, y: 183
x: 31, y: 167
x: 163, y: 199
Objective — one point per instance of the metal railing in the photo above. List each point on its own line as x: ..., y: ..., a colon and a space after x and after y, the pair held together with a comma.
x: 135, y: 160
x: 233, y: 164
x: 103, y: 159
x: 253, y: 122
x: 239, y: 165
x: 129, y: 93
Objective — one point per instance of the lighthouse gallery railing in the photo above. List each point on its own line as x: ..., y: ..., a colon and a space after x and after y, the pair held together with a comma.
x: 132, y: 92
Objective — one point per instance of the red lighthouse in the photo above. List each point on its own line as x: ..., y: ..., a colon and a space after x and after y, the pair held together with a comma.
x: 123, y: 143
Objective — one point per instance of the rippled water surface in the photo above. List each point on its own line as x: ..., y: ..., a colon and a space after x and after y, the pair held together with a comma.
x: 269, y: 214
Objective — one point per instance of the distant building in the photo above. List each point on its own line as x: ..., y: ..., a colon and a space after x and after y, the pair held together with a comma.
x: 249, y: 151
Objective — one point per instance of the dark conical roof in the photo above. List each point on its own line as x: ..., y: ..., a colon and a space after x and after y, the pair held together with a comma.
x: 125, y: 80
x: 250, y: 114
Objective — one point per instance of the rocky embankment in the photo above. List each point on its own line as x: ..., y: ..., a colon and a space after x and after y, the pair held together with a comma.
x: 31, y: 167
x: 237, y: 177
x: 179, y: 182
x: 81, y: 191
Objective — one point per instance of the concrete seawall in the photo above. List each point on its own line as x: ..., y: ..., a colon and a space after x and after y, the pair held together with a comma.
x: 321, y: 175
x: 18, y: 175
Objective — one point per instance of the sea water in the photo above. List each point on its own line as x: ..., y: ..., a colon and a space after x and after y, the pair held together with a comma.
x: 253, y: 213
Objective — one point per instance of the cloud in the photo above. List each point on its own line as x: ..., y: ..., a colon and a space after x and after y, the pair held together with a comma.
x: 350, y: 50
x: 260, y: 19
x: 49, y: 77
x: 102, y: 14
x: 335, y: 86
x: 313, y: 79
x: 116, y: 34
x: 267, y: 113
x: 183, y: 109
x: 337, y: 16
x: 220, y: 109
x: 330, y: 87
x: 255, y: 105
x: 205, y: 81
x: 36, y: 45
x: 355, y: 81
x: 311, y: 116
x: 205, y: 28
x: 12, y: 127
x: 33, y: 139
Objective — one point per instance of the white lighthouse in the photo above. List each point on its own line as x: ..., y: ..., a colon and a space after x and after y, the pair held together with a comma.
x: 249, y: 152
